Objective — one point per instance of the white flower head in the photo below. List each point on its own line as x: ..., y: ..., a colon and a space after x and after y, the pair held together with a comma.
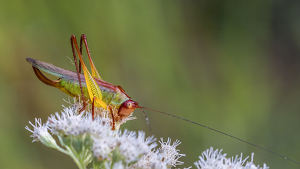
x: 125, y: 146
x: 164, y: 157
x: 169, y: 153
x: 214, y: 159
x: 71, y: 123
x: 118, y: 165
x: 102, y: 147
x: 40, y: 133
x: 151, y: 160
x: 251, y: 165
x: 133, y: 147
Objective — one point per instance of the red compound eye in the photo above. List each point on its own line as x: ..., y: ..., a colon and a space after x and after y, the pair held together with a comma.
x: 129, y: 104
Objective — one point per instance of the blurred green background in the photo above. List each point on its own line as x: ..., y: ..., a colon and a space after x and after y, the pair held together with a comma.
x: 233, y: 66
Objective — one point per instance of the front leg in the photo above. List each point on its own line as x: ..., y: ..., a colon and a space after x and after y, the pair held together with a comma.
x: 112, y: 116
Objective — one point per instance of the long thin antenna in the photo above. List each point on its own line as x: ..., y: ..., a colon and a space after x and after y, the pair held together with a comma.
x: 223, y: 134
x: 146, y: 119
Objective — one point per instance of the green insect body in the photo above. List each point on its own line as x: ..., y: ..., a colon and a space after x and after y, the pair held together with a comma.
x: 112, y: 97
x: 68, y: 82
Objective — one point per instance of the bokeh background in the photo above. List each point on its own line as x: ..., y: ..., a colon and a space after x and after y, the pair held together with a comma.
x: 233, y: 66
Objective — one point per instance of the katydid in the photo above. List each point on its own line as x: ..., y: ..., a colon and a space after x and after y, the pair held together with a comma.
x: 100, y: 93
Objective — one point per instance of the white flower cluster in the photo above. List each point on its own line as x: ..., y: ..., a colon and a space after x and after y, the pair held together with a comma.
x: 72, y: 123
x: 40, y: 133
x: 214, y: 159
x: 129, y: 147
x: 165, y: 157
x: 91, y: 141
